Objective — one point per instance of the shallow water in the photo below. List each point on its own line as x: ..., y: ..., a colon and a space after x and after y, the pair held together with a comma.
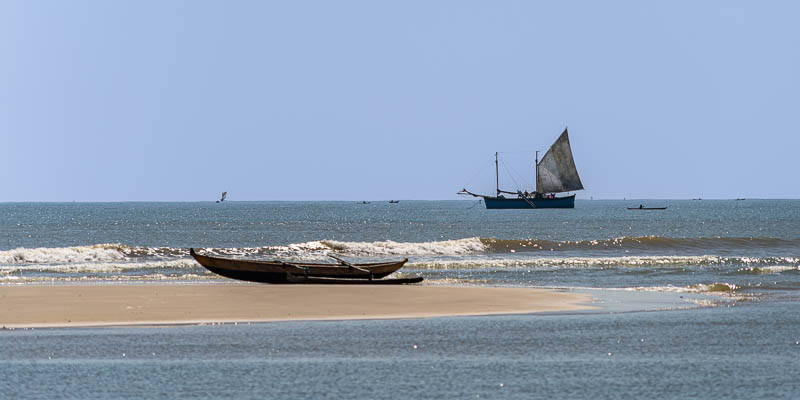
x: 744, y: 351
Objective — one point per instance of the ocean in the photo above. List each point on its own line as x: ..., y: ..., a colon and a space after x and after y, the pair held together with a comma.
x: 698, y: 301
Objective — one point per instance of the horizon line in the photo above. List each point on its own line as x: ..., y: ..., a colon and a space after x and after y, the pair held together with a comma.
x: 383, y: 200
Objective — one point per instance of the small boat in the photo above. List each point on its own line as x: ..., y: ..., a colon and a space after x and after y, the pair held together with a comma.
x: 224, y: 195
x: 641, y: 207
x: 555, y: 173
x: 394, y: 201
x: 364, y: 202
x: 303, y: 272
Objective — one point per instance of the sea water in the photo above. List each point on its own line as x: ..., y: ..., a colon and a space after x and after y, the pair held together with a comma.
x: 699, y: 300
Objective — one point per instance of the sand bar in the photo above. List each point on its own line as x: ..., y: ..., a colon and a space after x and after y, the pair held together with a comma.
x: 100, y: 305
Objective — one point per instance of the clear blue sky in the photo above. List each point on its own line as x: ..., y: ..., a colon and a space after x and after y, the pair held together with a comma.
x: 352, y: 100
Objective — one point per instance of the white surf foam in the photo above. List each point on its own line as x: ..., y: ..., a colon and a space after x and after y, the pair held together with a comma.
x: 48, y: 255
x: 564, y: 262
x: 99, y: 267
x: 769, y: 270
x: 158, y: 277
x: 389, y: 247
x: 95, y: 253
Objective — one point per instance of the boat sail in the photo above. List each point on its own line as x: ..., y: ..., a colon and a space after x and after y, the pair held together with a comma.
x: 555, y: 173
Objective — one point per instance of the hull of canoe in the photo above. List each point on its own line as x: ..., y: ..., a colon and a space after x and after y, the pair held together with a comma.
x: 279, y: 272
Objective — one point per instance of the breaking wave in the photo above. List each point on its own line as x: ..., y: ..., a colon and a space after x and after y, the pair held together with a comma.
x: 388, y: 247
x: 93, y: 253
x: 768, y: 270
x: 44, y: 255
x: 642, y: 243
x: 478, y: 246
x: 749, y: 265
x: 464, y: 252
x: 717, y: 287
x: 469, y: 260
x: 104, y: 267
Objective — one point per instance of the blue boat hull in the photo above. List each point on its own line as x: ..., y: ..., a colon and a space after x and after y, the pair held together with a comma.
x: 539, y: 202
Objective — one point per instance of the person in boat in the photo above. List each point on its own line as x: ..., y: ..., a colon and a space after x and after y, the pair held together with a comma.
x: 641, y: 205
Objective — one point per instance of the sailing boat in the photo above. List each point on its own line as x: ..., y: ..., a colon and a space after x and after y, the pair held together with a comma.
x: 555, y: 173
x: 224, y: 195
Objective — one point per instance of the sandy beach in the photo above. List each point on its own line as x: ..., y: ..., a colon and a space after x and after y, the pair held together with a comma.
x: 108, y: 305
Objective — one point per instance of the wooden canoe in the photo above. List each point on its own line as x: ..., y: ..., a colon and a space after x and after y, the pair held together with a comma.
x: 295, y: 272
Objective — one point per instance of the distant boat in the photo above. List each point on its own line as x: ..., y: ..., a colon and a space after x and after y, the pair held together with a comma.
x: 224, y: 195
x: 641, y: 207
x: 555, y: 173
x: 364, y: 202
x: 740, y: 199
x: 302, y: 272
x: 394, y: 201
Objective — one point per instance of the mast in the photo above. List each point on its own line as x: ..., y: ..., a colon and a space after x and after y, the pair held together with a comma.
x: 536, y: 177
x: 496, y: 175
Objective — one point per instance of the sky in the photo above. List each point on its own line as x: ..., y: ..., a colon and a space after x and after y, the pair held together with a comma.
x: 367, y: 100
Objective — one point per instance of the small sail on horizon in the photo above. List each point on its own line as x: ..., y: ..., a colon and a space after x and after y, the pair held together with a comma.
x: 224, y: 195
x: 556, y: 173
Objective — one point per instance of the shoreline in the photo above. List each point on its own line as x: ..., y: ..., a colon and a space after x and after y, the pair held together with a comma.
x: 55, y: 306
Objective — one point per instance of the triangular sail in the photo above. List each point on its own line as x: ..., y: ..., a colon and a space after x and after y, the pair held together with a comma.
x: 556, y: 172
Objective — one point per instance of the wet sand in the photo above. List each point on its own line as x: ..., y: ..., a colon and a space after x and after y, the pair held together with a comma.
x: 109, y: 305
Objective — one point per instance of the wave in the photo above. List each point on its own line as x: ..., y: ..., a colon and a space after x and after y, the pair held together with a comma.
x: 155, y: 277
x: 641, y: 243
x: 564, y: 262
x: 389, y: 247
x: 584, y: 252
x: 750, y: 265
x: 109, y: 252
x: 476, y: 245
x: 103, y: 267
x: 94, y: 253
x: 716, y: 287
x: 45, y: 255
x: 767, y: 270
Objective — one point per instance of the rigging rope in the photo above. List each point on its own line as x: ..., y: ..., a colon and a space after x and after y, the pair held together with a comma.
x: 510, y: 174
x: 480, y: 170
x: 530, y: 203
x: 473, y: 206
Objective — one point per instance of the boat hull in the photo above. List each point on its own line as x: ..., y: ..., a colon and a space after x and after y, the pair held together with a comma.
x: 519, y: 203
x: 281, y: 272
